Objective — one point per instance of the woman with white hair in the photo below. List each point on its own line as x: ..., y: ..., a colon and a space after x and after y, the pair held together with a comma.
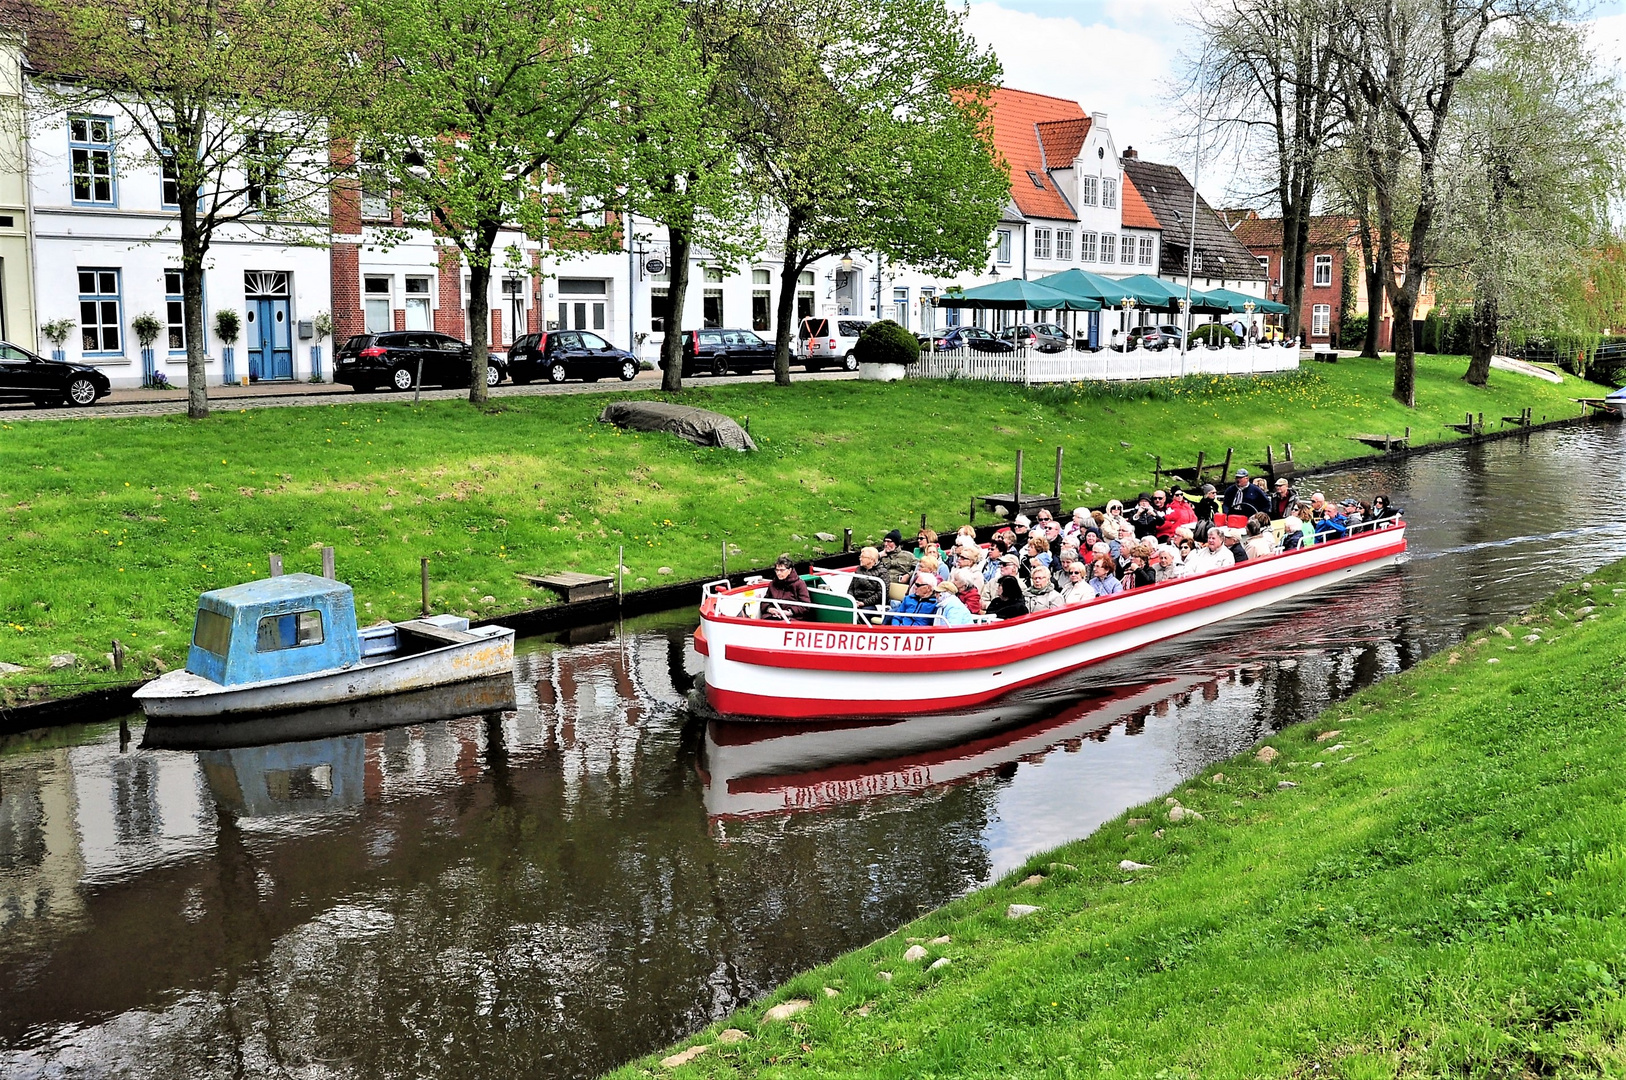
x: 968, y: 587
x: 1112, y: 523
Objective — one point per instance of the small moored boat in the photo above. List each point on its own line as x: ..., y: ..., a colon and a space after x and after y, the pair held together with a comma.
x: 836, y: 664
x: 291, y: 642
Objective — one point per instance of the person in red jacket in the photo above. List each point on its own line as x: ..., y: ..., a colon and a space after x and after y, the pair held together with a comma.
x: 1177, y: 509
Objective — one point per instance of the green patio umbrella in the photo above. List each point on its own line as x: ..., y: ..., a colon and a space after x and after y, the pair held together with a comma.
x: 1017, y: 294
x: 1108, y: 292
x: 1239, y: 301
x: 1171, y: 295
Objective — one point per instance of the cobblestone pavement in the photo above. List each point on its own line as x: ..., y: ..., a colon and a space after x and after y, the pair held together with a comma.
x: 287, y: 395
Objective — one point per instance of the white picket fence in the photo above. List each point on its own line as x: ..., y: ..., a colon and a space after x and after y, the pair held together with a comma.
x: 1028, y: 366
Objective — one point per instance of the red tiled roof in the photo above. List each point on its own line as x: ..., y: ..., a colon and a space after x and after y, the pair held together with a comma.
x: 1017, y: 115
x: 1325, y: 232
x: 1061, y: 140
x: 1136, y: 214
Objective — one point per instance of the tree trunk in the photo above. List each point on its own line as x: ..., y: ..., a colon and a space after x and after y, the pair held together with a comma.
x: 193, y: 249
x: 1481, y: 341
x: 677, y: 294
x: 789, y: 270
x: 1374, y: 310
x: 1295, y: 249
x: 480, y: 317
x: 1403, y: 301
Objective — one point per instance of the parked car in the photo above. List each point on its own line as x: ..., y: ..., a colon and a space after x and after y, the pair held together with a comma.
x: 27, y: 377
x: 368, y: 361
x: 1042, y: 337
x: 558, y: 355
x: 974, y: 338
x: 718, y: 352
x: 1153, y: 337
x: 828, y: 340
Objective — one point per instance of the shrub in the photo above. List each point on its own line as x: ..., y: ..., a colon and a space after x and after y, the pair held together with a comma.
x: 146, y: 328
x: 886, y: 342
x: 58, y: 330
x: 1214, y: 334
x: 227, y: 325
x: 1352, y: 332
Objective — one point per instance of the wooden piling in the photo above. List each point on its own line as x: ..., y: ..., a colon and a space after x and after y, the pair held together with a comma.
x: 118, y: 655
x: 423, y: 571
x: 1016, y: 493
x: 1058, y: 474
x: 327, y: 564
x: 847, y: 539
x: 276, y: 565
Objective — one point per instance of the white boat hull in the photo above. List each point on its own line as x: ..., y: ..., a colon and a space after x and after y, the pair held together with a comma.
x: 183, y: 695
x: 774, y: 670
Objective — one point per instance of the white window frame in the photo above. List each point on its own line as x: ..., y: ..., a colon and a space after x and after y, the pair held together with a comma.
x: 1321, y: 320
x: 1146, y: 251
x: 1087, y: 188
x: 1002, y: 247
x: 1323, y: 272
x: 370, y: 297
x: 659, y: 300
x: 174, y: 312
x: 1109, y: 193
x: 262, y: 170
x: 93, y: 158
x: 1041, y: 243
x: 1064, y: 245
x: 1086, y: 246
x: 1109, y: 247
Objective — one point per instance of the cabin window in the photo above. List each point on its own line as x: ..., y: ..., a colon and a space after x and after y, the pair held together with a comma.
x: 212, y: 633
x: 290, y: 631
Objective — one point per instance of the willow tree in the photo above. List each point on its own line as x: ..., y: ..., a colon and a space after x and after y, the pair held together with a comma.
x: 865, y: 127
x: 227, y: 100
x: 486, y: 114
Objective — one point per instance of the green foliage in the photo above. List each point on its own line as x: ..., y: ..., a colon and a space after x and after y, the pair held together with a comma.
x: 146, y: 328
x: 58, y: 330
x: 1214, y: 334
x: 886, y: 342
x: 227, y: 325
x: 323, y: 325
x: 1352, y: 332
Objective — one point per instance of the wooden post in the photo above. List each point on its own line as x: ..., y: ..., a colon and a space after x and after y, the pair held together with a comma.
x: 118, y: 655
x: 725, y: 560
x: 423, y: 570
x: 620, y: 558
x: 1017, y: 494
x: 327, y: 564
x: 1157, y: 469
x: 1225, y: 470
x: 1270, y: 460
x: 922, y: 521
x: 974, y: 498
x: 846, y: 541
x: 276, y: 565
x: 1058, y: 474
x: 417, y: 386
x: 1408, y: 433
x: 1198, y: 480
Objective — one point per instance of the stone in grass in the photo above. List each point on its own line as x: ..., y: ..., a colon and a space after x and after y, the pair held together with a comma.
x: 63, y: 660
x: 786, y: 1010
x: 1136, y: 821
x: 1180, y: 813
x: 828, y: 538
x: 1171, y: 801
x: 11, y: 669
x: 1020, y: 911
x: 1217, y: 778
x: 830, y: 991
x: 1267, y: 754
x: 940, y: 962
x: 914, y: 954
x: 1335, y: 746
x: 1493, y: 660
x: 1031, y: 880
x: 862, y: 1010
x: 1504, y: 631
x: 941, y: 939
x: 1158, y: 833
x: 1131, y: 864
x: 730, y: 1036
x: 1062, y: 866
x: 683, y: 1057
x: 1328, y: 736
x: 663, y: 570
x: 1583, y: 612
x: 488, y: 599
x: 1481, y: 641
x: 884, y: 976
x: 1282, y: 785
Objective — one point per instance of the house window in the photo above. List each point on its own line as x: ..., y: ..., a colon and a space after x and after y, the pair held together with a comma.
x: 1323, y: 271
x: 1109, y: 193
x: 175, y: 311
x: 170, y: 179
x: 1145, y: 251
x: 804, y: 295
x: 711, y: 314
x: 417, y: 303
x: 375, y: 292
x: 1264, y: 263
x: 375, y: 187
x: 761, y: 300
x: 1109, y: 247
x: 1041, y: 243
x: 90, y: 151
x: 659, y: 301
x: 928, y: 308
x: 1087, y: 187
x: 584, y: 314
x: 1197, y: 263
x: 1064, y: 245
x: 1320, y: 320
x: 513, y: 294
x: 1003, y: 255
x: 900, y: 306
x: 1086, y: 247
x: 101, y: 321
x: 262, y: 168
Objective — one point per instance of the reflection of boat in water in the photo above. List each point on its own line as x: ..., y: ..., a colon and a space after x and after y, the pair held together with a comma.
x: 753, y: 769
x: 495, y: 694
x: 833, y: 664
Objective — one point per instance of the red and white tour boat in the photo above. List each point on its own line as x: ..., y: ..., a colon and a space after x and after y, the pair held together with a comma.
x: 836, y: 665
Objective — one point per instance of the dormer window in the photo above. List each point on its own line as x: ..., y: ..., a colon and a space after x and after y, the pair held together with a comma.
x: 1038, y: 183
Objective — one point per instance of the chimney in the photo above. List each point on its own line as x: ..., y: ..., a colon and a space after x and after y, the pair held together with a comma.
x: 1130, y: 155
x: 1098, y: 118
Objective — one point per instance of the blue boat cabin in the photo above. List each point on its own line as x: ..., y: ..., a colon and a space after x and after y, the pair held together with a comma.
x: 278, y: 628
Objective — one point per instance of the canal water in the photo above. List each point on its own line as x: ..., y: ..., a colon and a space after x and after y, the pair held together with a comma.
x: 549, y: 890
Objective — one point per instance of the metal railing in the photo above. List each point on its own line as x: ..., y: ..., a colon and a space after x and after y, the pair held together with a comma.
x: 1106, y: 365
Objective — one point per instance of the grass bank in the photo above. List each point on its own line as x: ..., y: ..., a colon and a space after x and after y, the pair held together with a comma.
x: 1430, y: 880
x: 111, y: 528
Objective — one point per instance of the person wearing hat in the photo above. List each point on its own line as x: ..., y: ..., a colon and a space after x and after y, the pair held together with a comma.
x: 1007, y: 565
x: 918, y: 606
x: 949, y: 605
x: 1177, y: 511
x: 1241, y: 500
x: 1282, y: 499
x: 896, y: 560
x: 1207, y: 504
x: 1111, y: 521
x: 787, y: 586
x: 1354, y: 513
x: 1146, y: 517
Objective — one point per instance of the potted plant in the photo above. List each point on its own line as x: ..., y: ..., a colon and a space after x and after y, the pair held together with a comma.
x: 227, y: 326
x: 146, y: 328
x: 885, y: 350
x: 322, y: 327
x: 56, y: 332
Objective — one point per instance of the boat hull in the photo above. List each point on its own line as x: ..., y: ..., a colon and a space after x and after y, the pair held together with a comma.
x: 181, y: 695
x: 775, y: 671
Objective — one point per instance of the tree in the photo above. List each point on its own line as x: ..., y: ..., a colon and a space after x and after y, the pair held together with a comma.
x: 483, y: 113
x: 1531, y: 179
x: 865, y: 127
x: 1267, y: 71
x: 228, y: 98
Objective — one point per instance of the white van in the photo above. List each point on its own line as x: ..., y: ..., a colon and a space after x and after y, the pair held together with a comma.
x: 828, y: 340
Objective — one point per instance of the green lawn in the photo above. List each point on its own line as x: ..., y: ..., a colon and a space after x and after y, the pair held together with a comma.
x: 113, y: 527
x: 1443, y: 893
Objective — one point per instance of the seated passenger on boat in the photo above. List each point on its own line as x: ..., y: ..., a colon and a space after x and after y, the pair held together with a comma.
x: 895, y: 560
x: 1037, y: 554
x: 1145, y: 518
x: 1234, y: 544
x: 1073, y: 531
x: 1104, y: 578
x: 866, y: 589
x: 925, y: 539
x: 949, y: 605
x: 1282, y: 499
x: 1213, y: 555
x: 1047, y: 527
x: 1292, y: 531
x: 1260, y: 537
x: 1078, y: 589
x: 1177, y: 511
x: 1381, y: 510
x: 918, y: 606
x: 787, y: 585
x: 1330, y: 525
x: 1354, y: 513
x: 1207, y: 504
x: 968, y: 587
x: 1041, y: 594
x: 1008, y: 604
x: 1111, y: 523
x: 1242, y: 500
x: 1006, y: 566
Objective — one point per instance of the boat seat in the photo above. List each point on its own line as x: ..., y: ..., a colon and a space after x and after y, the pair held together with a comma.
x: 829, y: 607
x: 439, y: 635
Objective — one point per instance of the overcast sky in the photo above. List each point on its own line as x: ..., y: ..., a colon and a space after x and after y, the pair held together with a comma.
x: 1123, y: 58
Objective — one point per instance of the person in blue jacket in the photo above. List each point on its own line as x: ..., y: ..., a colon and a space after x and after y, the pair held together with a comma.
x: 1331, y: 526
x: 916, y: 608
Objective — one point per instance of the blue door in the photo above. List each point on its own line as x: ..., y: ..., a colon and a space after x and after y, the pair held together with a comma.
x: 270, y: 345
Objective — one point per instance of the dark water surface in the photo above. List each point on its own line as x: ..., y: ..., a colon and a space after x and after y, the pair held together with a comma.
x: 551, y: 890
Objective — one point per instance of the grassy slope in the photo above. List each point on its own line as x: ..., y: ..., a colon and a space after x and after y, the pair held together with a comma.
x: 1443, y: 895
x: 111, y: 528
